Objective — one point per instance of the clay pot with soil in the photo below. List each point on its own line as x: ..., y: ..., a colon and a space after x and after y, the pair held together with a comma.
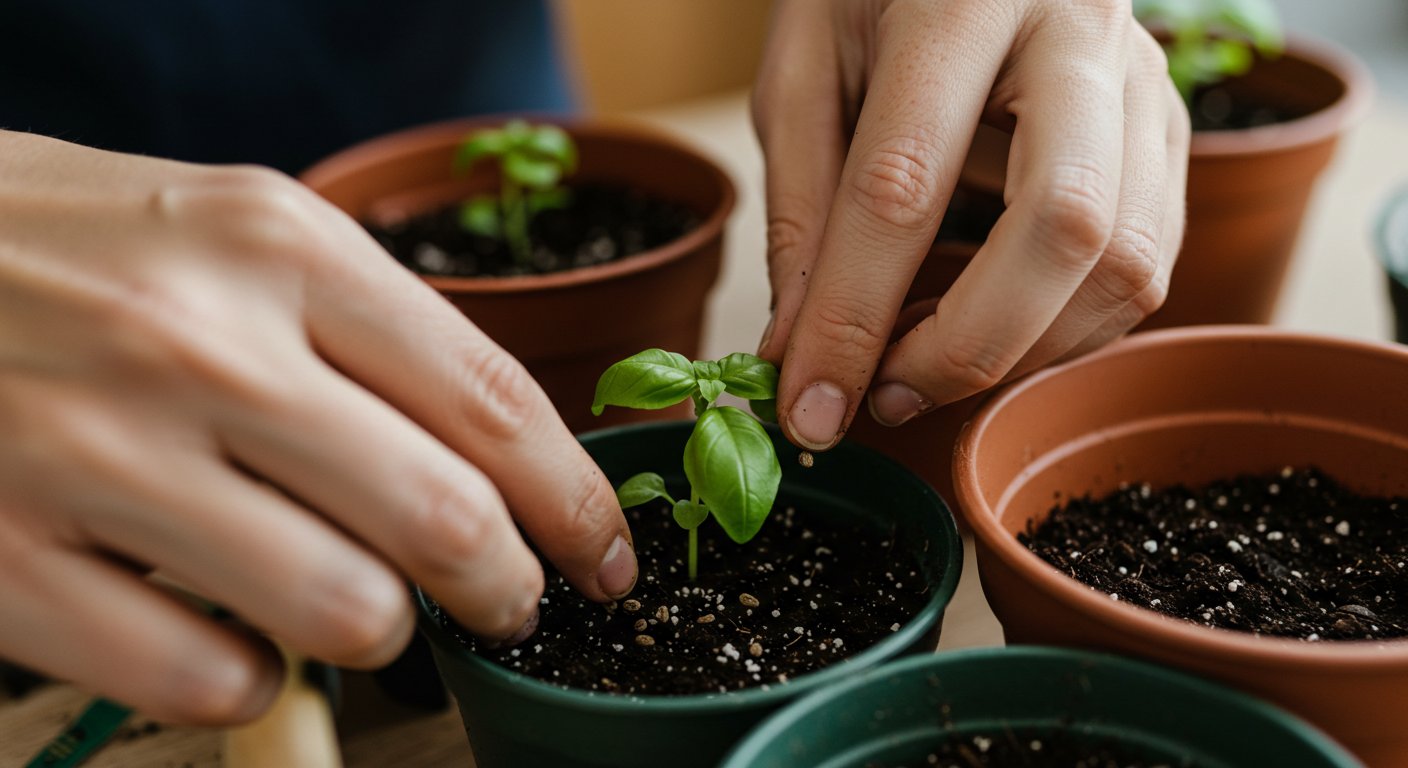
x: 1391, y: 240
x: 1224, y: 500
x: 854, y: 567
x: 625, y: 261
x: 1036, y: 708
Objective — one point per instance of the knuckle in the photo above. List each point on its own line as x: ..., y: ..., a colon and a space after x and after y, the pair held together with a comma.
x: 363, y: 617
x: 848, y: 329
x: 586, y: 516
x: 496, y: 394
x: 1149, y: 300
x: 898, y: 183
x: 451, y: 532
x: 1075, y: 213
x: 1108, y: 11
x: 786, y: 239
x: 217, y: 693
x: 972, y: 363
x: 1130, y: 264
x: 265, y: 214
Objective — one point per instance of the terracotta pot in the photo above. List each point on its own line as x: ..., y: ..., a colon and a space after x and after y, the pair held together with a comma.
x: 568, y: 327
x: 895, y: 715
x: 1391, y: 240
x: 925, y: 444
x: 1192, y: 406
x: 1247, y: 189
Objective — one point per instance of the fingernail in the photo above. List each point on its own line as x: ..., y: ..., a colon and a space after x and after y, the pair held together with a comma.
x: 815, y: 419
x: 524, y: 632
x: 893, y: 404
x: 617, y: 574
x: 767, y: 332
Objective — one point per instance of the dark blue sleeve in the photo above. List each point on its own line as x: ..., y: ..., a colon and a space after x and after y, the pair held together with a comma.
x: 278, y: 82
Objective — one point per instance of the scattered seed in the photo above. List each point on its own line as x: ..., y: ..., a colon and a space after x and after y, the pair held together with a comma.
x: 805, y: 459
x: 748, y: 600
x: 641, y: 624
x: 707, y: 618
x: 631, y: 606
x: 755, y: 649
x: 645, y: 641
x: 662, y: 614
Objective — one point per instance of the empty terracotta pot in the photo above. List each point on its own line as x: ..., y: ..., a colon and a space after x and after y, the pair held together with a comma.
x: 1248, y: 189
x: 1192, y: 406
x: 567, y: 327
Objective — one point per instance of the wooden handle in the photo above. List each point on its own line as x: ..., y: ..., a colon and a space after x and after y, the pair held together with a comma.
x: 297, y: 731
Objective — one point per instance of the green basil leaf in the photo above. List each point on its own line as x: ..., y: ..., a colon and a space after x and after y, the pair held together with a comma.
x: 690, y: 515
x: 749, y: 376
x: 552, y: 143
x: 642, y: 488
x: 732, y: 466
x: 516, y: 132
x: 481, y: 216
x: 549, y: 199
x: 710, y: 389
x: 765, y: 409
x: 531, y: 172
x: 649, y: 380
x: 707, y: 370
x: 478, y: 145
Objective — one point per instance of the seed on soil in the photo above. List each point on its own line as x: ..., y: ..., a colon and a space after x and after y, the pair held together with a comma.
x: 707, y: 618
x: 755, y: 649
x: 662, y: 614
x: 805, y: 459
x: 641, y: 624
x: 748, y: 600
x: 645, y: 641
x: 631, y: 606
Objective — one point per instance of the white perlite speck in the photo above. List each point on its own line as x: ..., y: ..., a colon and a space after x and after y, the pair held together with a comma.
x: 731, y: 652
x: 1342, y: 528
x: 895, y: 627
x: 1234, y: 546
x: 1151, y: 546
x: 1234, y: 585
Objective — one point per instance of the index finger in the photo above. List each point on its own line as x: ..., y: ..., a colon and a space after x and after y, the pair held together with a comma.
x: 393, y: 334
x: 930, y: 82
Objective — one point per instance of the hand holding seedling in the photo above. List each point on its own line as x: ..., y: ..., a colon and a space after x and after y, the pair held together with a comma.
x: 729, y: 459
x: 211, y: 373
x: 865, y: 111
x: 1211, y: 40
x: 532, y: 161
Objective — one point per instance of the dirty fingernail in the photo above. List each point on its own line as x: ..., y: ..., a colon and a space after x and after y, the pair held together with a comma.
x: 524, y: 632
x: 893, y: 404
x: 815, y: 419
x: 617, y: 574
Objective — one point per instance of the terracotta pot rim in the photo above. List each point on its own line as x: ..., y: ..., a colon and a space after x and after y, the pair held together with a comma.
x: 1363, y: 656
x: 1315, y: 127
x: 450, y: 131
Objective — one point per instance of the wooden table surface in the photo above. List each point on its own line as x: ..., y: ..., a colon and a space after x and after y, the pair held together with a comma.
x: 1335, y: 287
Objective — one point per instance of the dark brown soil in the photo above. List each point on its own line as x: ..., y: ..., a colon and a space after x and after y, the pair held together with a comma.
x: 1030, y: 749
x: 1214, y: 108
x: 801, y: 595
x: 1290, y: 554
x: 602, y: 223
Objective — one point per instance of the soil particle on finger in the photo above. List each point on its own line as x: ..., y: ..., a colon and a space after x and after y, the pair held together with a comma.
x: 803, y: 594
x: 1291, y: 553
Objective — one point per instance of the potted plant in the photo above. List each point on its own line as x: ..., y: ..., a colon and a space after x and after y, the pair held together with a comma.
x: 1032, y: 707
x: 853, y: 566
x: 1391, y: 239
x: 571, y: 246
x: 1188, y: 482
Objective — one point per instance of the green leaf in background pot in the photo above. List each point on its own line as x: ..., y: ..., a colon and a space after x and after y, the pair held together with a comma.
x: 648, y: 380
x: 733, y: 468
x: 749, y: 376
x: 553, y: 143
x: 641, y: 488
x: 481, y: 216
x: 689, y: 515
x: 479, y: 145
x: 531, y: 172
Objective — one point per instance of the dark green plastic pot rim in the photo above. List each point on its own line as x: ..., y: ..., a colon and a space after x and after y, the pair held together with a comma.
x: 789, y: 718
x: 908, y: 634
x: 1391, y: 235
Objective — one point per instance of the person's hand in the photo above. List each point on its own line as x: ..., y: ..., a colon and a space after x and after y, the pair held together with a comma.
x: 212, y: 374
x: 865, y: 110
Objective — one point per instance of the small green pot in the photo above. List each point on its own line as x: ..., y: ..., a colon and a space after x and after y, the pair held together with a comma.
x: 515, y: 721
x: 894, y: 714
x: 1391, y: 240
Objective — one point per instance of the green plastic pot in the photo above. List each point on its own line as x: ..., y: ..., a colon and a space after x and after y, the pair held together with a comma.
x: 894, y: 714
x: 515, y: 721
x: 1391, y: 240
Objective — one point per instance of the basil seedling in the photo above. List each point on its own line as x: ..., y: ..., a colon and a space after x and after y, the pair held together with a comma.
x: 532, y: 161
x: 729, y: 459
x: 1211, y: 40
